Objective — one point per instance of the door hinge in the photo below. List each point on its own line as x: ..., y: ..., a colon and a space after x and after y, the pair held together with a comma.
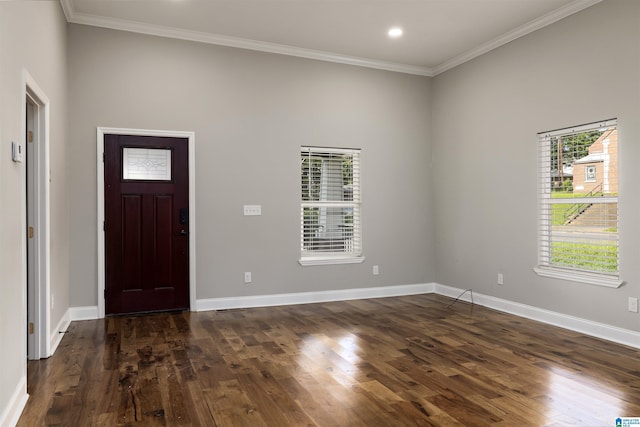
x: 104, y: 225
x: 104, y: 156
x: 31, y: 328
x: 105, y: 294
x: 30, y: 232
x: 30, y: 136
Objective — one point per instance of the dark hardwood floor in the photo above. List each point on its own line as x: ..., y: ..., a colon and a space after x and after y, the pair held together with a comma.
x: 401, y: 361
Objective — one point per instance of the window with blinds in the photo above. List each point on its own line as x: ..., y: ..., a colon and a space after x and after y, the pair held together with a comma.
x: 330, y: 230
x: 578, y: 203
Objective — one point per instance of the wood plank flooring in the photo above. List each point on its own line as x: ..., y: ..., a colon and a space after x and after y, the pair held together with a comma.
x: 405, y: 361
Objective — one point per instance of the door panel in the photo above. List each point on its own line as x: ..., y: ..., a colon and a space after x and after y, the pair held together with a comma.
x: 146, y: 236
x: 131, y: 242
x: 164, y: 248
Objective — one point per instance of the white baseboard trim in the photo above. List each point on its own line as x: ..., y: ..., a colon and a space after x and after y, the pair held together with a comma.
x: 83, y: 313
x: 56, y: 334
x: 14, y: 407
x: 587, y: 327
x: 91, y: 312
x: 584, y: 326
x: 311, y: 297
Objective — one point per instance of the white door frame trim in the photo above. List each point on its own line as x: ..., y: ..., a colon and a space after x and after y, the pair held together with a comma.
x: 101, y: 132
x: 42, y: 237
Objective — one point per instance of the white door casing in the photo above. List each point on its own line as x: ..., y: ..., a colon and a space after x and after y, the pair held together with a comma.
x: 37, y: 261
x: 101, y: 132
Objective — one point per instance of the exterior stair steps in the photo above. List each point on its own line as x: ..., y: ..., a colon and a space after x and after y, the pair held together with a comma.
x: 601, y: 215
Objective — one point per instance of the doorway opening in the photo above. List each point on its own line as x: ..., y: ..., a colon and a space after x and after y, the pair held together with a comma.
x: 36, y: 220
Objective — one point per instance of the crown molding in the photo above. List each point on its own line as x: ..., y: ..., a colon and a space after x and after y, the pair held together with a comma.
x: 216, y: 39
x: 67, y: 9
x: 221, y: 40
x: 521, y: 31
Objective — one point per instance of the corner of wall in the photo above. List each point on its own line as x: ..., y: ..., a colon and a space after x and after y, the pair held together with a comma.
x: 58, y: 332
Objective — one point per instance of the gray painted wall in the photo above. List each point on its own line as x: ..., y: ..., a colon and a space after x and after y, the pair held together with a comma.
x: 33, y: 38
x: 251, y: 112
x: 459, y: 222
x: 486, y: 115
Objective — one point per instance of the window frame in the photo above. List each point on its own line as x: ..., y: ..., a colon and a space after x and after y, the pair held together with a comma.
x: 545, y: 266
x: 310, y: 257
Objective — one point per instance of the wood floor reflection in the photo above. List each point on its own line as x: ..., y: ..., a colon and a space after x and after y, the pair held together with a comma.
x: 401, y: 361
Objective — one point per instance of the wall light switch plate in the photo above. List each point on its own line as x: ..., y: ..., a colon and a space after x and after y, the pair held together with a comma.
x: 252, y: 210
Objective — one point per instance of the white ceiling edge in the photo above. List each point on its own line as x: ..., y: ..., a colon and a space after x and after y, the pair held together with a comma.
x: 521, y: 31
x: 177, y: 33
x: 197, y: 36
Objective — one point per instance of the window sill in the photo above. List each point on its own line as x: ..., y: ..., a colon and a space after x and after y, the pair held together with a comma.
x: 309, y: 261
x: 579, y: 276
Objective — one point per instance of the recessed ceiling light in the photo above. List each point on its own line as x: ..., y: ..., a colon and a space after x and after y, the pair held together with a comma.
x: 395, y: 32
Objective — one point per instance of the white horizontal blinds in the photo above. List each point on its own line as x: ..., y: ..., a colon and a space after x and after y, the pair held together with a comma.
x: 330, y: 205
x: 578, y: 193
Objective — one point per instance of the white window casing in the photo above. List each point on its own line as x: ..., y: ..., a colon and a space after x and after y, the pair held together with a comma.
x: 330, y: 208
x: 578, y: 204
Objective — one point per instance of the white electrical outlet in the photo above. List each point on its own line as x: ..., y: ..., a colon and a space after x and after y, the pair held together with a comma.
x: 376, y: 270
x: 500, y: 279
x: 247, y: 277
x: 633, y: 304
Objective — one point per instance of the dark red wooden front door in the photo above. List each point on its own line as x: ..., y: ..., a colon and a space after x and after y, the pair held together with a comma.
x: 146, y: 224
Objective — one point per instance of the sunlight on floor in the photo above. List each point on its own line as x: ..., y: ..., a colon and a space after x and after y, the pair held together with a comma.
x: 572, y: 393
x: 336, y: 358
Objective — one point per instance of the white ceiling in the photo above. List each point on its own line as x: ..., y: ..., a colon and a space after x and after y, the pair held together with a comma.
x: 438, y: 34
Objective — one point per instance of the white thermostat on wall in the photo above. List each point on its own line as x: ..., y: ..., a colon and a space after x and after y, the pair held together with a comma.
x: 16, y: 152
